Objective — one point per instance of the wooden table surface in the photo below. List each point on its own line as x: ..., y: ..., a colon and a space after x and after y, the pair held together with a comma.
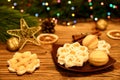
x: 48, y: 70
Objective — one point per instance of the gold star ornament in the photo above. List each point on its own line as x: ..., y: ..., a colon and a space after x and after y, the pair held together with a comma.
x: 25, y: 33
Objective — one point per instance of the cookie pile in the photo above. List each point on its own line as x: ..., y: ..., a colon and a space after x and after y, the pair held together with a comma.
x: 23, y: 62
x: 91, y: 49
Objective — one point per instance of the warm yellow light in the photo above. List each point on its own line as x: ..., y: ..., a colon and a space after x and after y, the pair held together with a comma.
x: 102, y: 3
x: 40, y: 20
x: 9, y: 0
x: 73, y: 14
x: 108, y: 17
x: 53, y: 18
x: 91, y: 7
x: 73, y: 26
x: 46, y: 4
x: 13, y: 7
x: 68, y: 24
x: 21, y: 10
x: 69, y: 2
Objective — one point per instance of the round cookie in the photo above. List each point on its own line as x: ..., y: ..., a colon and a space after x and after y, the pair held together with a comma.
x: 98, y: 58
x: 90, y: 41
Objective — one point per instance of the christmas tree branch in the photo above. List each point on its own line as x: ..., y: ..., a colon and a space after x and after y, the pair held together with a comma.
x: 10, y: 19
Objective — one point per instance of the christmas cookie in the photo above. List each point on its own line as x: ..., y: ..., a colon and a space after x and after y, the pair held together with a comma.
x: 90, y: 41
x: 47, y: 38
x: 98, y: 58
x: 104, y: 46
x: 72, y: 54
x: 23, y: 62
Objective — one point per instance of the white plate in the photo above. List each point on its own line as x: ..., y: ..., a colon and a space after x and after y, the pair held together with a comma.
x: 114, y: 34
x: 47, y: 38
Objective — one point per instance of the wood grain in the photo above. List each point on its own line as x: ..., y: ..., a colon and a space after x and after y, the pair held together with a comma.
x: 48, y: 70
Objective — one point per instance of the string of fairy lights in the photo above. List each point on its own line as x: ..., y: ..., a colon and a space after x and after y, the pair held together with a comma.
x: 113, y: 6
x: 69, y: 2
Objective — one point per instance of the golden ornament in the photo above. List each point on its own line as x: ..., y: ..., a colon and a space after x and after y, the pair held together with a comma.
x: 101, y: 24
x: 13, y: 44
x: 25, y: 33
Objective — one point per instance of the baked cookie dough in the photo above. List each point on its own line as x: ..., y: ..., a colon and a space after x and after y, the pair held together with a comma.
x: 23, y: 62
x: 98, y: 58
x: 90, y: 41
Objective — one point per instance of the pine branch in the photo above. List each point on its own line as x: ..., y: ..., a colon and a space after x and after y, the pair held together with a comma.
x: 10, y: 19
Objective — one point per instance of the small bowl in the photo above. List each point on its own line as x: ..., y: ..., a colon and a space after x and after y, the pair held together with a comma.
x: 47, y: 38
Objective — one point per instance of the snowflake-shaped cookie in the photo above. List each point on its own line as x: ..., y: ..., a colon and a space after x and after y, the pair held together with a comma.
x: 23, y: 62
x: 72, y: 54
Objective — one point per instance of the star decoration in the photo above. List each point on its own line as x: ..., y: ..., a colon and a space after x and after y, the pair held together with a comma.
x: 25, y: 33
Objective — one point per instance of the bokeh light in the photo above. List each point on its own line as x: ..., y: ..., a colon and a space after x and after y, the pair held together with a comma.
x: 69, y: 2
x: 96, y: 19
x: 21, y: 10
x: 90, y: 3
x: 36, y: 14
x: 48, y: 8
x: 72, y: 8
x: 9, y: 0
x: 73, y: 14
x: 108, y: 13
x: 58, y: 14
x: 13, y: 7
x: 15, y: 4
x: 58, y: 1
x: 102, y: 3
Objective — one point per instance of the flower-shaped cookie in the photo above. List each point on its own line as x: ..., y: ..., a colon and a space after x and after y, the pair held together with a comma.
x: 103, y: 45
x: 72, y: 54
x: 23, y: 62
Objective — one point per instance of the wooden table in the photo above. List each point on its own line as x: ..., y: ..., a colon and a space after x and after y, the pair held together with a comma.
x: 48, y: 71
